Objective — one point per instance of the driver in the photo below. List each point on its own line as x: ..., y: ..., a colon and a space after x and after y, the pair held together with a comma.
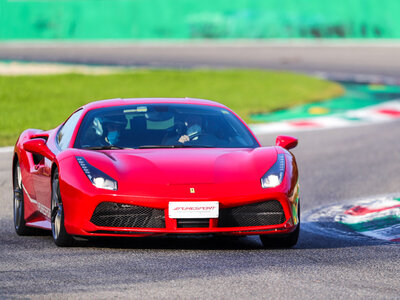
x: 193, y: 125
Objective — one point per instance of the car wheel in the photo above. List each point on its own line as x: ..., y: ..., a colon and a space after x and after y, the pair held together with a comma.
x: 281, y: 240
x: 60, y: 236
x: 288, y: 240
x: 18, y: 204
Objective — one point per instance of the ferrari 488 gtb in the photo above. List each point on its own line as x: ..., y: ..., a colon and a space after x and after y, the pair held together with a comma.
x: 143, y: 167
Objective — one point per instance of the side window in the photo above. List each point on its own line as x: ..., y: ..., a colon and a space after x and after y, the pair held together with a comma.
x: 65, y: 134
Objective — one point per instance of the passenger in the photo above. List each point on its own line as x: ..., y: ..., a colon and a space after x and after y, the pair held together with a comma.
x: 113, y: 125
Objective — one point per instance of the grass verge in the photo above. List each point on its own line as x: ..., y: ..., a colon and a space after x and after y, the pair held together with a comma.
x: 44, y: 101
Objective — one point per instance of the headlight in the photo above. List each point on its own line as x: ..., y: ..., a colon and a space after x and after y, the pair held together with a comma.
x: 274, y: 176
x: 99, y: 179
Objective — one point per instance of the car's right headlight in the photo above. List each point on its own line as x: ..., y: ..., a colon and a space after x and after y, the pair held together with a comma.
x: 274, y: 176
x: 98, y: 178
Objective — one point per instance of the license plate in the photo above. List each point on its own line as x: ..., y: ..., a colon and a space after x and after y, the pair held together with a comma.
x: 193, y: 210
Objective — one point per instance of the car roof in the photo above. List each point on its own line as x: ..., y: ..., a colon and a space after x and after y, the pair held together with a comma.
x: 133, y: 101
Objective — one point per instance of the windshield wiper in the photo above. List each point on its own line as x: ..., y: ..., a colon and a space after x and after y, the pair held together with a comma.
x: 159, y: 146
x: 107, y: 147
x: 195, y: 146
x: 173, y: 146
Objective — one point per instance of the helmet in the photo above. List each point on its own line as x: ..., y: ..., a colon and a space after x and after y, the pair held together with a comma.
x: 116, y: 120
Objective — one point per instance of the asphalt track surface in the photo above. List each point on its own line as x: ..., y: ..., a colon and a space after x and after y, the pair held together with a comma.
x: 349, y: 57
x: 336, y: 165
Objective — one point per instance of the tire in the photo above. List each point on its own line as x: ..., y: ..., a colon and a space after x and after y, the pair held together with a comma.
x: 60, y: 236
x: 281, y: 240
x: 19, y: 204
x: 288, y: 240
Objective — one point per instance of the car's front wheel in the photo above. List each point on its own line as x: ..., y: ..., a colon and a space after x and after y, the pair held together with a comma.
x: 60, y: 236
x: 287, y: 240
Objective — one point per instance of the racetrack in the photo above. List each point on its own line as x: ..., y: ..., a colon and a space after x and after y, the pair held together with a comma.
x: 336, y: 166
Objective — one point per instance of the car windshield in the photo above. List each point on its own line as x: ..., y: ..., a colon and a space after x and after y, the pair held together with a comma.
x: 162, y: 126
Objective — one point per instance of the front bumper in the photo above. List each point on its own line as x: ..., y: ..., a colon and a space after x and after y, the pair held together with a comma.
x: 82, y: 209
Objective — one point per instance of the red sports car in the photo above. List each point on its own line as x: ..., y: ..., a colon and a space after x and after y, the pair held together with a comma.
x: 147, y: 167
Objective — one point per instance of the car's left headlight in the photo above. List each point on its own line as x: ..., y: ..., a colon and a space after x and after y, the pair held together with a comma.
x: 98, y: 178
x: 274, y: 176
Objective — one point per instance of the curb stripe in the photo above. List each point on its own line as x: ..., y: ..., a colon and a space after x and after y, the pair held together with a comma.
x: 378, y: 218
x: 391, y: 112
x: 379, y: 113
x: 360, y: 210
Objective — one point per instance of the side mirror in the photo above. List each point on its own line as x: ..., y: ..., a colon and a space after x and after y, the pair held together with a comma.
x: 39, y: 146
x: 287, y: 142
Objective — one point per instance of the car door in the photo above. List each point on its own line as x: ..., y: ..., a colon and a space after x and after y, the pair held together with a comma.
x: 41, y: 173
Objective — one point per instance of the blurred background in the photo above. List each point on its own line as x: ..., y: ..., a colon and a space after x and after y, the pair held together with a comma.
x: 193, y: 19
x: 231, y: 51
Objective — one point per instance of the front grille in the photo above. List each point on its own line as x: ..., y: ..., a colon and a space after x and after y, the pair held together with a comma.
x: 258, y: 214
x: 110, y: 214
x: 193, y: 223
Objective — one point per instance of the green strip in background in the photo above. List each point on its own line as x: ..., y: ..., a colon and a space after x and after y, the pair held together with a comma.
x: 194, y: 19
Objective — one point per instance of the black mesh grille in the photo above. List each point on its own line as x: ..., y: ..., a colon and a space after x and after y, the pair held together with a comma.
x: 110, y: 214
x: 259, y: 214
x: 193, y: 223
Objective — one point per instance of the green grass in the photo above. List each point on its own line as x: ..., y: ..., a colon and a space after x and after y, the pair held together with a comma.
x: 45, y: 101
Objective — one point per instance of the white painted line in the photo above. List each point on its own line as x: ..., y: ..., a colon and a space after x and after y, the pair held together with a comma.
x: 332, y: 121
x: 6, y: 149
x: 319, y: 124
x: 271, y: 127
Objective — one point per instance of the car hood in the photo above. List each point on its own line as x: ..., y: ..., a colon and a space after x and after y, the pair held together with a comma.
x: 184, y: 166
